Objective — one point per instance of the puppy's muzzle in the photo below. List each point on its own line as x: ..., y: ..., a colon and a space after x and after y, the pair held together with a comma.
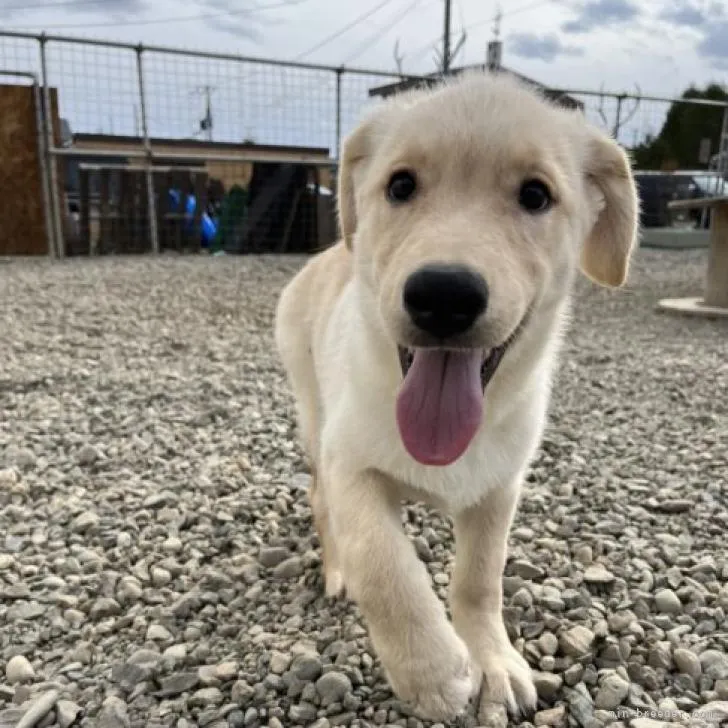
x: 444, y: 300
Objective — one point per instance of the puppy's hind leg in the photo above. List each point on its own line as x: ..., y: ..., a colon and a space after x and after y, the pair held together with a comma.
x: 302, y: 379
x: 308, y: 425
x: 333, y: 578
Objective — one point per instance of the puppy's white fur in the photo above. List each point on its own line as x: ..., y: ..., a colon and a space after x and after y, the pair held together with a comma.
x: 472, y: 143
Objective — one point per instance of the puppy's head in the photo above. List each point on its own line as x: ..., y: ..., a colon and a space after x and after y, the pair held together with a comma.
x: 467, y: 209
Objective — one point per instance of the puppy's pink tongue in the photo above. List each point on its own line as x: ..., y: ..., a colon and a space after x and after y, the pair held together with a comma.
x: 440, y: 405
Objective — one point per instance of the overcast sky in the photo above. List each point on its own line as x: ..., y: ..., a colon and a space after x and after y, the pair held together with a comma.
x: 660, y: 45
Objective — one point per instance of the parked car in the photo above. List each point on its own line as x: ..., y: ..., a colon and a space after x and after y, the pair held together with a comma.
x: 656, y: 189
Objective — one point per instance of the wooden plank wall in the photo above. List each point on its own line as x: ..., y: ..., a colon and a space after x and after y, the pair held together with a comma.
x: 22, y: 220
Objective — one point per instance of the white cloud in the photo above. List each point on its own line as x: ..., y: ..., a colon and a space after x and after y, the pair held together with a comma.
x: 545, y: 47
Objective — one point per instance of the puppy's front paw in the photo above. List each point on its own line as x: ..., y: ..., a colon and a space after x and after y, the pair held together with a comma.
x: 508, y: 681
x: 437, y: 683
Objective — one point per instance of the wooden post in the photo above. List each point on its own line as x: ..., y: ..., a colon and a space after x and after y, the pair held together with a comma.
x: 161, y: 199
x: 143, y: 226
x: 716, y: 293
x: 85, y: 212
x: 125, y: 213
x: 115, y: 209
x: 714, y: 301
x: 104, y: 242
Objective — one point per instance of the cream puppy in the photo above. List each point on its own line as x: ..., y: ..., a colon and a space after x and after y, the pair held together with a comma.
x: 420, y: 351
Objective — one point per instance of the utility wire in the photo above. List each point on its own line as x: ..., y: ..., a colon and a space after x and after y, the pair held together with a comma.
x: 383, y: 31
x: 342, y: 30
x: 156, y: 21
x: 50, y: 6
x: 509, y: 13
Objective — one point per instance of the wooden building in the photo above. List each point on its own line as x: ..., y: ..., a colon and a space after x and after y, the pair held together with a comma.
x: 22, y: 212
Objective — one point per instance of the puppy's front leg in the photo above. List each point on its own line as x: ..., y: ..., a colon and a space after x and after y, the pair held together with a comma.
x: 425, y: 661
x: 481, y: 535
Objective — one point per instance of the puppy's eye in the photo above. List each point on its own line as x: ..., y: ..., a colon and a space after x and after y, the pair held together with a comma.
x: 534, y: 196
x: 401, y: 186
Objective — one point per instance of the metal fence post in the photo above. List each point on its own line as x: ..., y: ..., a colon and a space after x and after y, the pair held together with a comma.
x: 618, y: 117
x: 339, y: 74
x: 149, y: 158
x: 60, y: 243
x: 723, y: 145
x: 45, y: 182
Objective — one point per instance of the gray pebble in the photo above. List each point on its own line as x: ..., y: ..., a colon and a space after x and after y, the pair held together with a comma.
x: 291, y: 568
x: 38, y: 713
x: 302, y: 713
x: 88, y: 455
x: 158, y: 633
x: 661, y: 655
x: 114, y: 714
x: 332, y: 687
x: 667, y: 602
x: 583, y: 554
x: 306, y: 667
x: 547, y: 685
x: 598, y: 574
x: 205, y: 697
x: 423, y: 549
x: 271, y: 556
x: 548, y: 643
x: 581, y: 705
x: 573, y: 674
x: 105, y: 607
x: 67, y: 713
x: 714, y: 664
x: 26, y: 459
x: 279, y: 662
x: 716, y: 711
x: 19, y: 670
x: 236, y: 719
x: 687, y: 662
x: 576, y: 641
x: 178, y: 683
x: 612, y: 691
x: 721, y: 689
x: 241, y: 692
x: 551, y: 717
x: 526, y: 570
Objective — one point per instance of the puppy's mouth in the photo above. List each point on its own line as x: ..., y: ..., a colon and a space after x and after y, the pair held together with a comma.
x: 440, y: 402
x: 490, y: 359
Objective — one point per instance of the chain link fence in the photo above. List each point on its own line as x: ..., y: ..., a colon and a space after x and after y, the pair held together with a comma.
x: 679, y: 149
x: 154, y: 148
x: 644, y: 123
x: 147, y: 148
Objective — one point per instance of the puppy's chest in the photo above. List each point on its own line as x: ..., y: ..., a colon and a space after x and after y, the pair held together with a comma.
x: 372, y: 441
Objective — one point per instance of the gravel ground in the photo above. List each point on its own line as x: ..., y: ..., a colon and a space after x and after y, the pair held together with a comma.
x: 157, y: 561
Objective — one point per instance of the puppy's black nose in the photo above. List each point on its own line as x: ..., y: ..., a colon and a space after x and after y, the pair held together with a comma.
x: 444, y: 299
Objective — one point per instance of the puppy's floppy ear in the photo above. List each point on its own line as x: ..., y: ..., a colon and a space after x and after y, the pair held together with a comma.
x: 354, y: 149
x: 607, y: 250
